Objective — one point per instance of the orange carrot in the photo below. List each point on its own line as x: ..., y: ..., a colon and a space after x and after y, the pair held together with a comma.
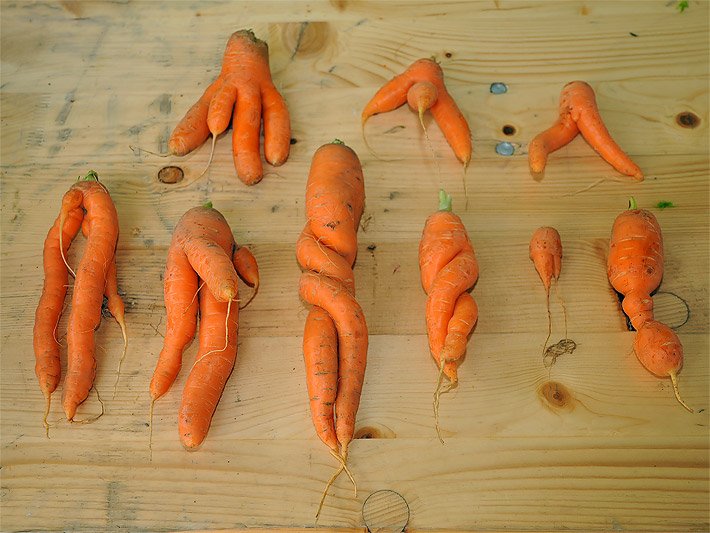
x: 202, y: 247
x: 579, y: 113
x: 101, y: 221
x: 335, y: 335
x: 448, y: 268
x: 635, y: 262
x: 635, y: 269
x: 659, y: 350
x: 422, y: 85
x: 244, y: 93
x: 546, y: 255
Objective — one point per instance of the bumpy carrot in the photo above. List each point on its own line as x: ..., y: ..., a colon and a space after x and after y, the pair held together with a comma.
x: 335, y: 337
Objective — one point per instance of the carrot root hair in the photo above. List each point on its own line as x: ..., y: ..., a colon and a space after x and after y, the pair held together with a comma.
x: 342, y: 468
x: 674, y: 380
x: 122, y: 324
x: 139, y: 149
x: 95, y: 417
x: 226, y: 337
x: 209, y: 161
x: 437, y: 396
x: 62, y: 218
x: 253, y: 295
x: 48, y: 397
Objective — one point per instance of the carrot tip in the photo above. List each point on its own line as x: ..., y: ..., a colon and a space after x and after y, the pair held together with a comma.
x: 674, y: 380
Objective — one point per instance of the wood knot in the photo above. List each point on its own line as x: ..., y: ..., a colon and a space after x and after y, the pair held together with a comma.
x: 686, y: 119
x: 170, y: 174
x: 374, y: 431
x: 306, y: 39
x: 556, y: 396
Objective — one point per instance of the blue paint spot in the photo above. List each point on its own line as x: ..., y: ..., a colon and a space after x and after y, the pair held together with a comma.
x: 505, y: 148
x: 499, y: 88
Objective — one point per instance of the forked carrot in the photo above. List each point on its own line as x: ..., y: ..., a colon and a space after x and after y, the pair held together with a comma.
x: 335, y: 336
x: 448, y: 268
x: 203, y: 248
x: 243, y: 93
x: 86, y: 205
x: 578, y: 112
x: 422, y: 85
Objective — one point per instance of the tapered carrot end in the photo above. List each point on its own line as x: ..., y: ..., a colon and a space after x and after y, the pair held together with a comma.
x: 674, y: 379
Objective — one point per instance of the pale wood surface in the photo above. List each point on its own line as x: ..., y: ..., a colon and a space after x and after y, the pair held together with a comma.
x: 612, y: 450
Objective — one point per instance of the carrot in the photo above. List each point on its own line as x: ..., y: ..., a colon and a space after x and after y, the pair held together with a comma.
x: 579, y: 113
x: 635, y: 262
x: 422, y: 85
x: 86, y: 205
x: 245, y: 93
x: 202, y: 247
x: 635, y: 269
x: 659, y: 350
x: 335, y: 335
x: 448, y: 269
x: 546, y: 255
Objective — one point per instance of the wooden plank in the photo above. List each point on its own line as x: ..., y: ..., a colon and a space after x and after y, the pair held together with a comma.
x: 595, y: 442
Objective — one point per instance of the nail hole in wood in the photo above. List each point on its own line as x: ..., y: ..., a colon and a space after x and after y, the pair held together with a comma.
x: 686, y: 119
x: 170, y: 174
x: 509, y: 130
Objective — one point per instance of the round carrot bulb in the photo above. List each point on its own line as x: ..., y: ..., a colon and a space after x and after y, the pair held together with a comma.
x: 446, y: 113
x: 659, y: 350
x: 89, y: 287
x: 635, y: 262
x: 546, y: 254
x: 420, y: 97
x: 448, y: 268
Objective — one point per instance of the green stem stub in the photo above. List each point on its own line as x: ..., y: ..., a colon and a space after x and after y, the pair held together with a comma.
x: 208, y: 205
x: 337, y: 141
x: 444, y: 200
x: 91, y: 176
x: 632, y: 203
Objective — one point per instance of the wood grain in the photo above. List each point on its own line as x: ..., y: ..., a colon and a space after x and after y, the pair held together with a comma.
x: 593, y: 443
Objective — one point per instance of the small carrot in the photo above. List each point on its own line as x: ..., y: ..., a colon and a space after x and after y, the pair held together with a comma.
x: 335, y: 336
x: 546, y: 255
x: 579, y: 113
x: 422, y: 85
x: 659, y: 350
x: 243, y: 93
x: 448, y: 268
x: 635, y: 262
x: 202, y: 247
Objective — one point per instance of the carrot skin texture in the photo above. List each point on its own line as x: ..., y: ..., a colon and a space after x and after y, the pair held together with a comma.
x: 635, y: 262
x: 242, y: 91
x: 192, y: 130
x: 446, y: 113
x: 181, y: 304
x: 334, y: 204
x: 51, y: 302
x: 462, y: 321
x: 448, y: 269
x: 320, y: 352
x: 658, y: 349
x: 578, y: 112
x: 207, y: 379
x: 89, y: 287
x: 546, y: 254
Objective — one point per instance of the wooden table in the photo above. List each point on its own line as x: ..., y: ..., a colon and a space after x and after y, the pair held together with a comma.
x: 611, y: 449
